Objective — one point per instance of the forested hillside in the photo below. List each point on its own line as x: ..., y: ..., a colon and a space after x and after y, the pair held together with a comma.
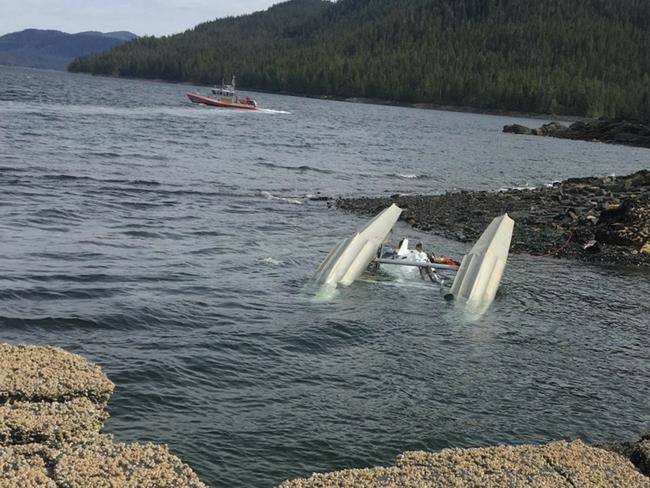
x: 584, y: 57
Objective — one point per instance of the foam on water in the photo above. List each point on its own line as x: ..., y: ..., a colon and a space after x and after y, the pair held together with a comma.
x: 270, y: 196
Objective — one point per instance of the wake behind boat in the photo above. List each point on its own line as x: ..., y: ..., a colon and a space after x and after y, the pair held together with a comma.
x: 477, y: 279
x: 224, y: 96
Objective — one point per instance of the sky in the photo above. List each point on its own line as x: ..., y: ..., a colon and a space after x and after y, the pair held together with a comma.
x: 142, y: 17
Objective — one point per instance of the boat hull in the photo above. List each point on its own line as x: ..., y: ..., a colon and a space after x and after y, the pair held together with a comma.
x: 219, y: 103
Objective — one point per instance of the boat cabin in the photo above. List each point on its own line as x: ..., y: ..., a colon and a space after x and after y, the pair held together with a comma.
x: 226, y: 91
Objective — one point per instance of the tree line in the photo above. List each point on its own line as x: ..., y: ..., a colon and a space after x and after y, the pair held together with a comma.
x: 585, y: 57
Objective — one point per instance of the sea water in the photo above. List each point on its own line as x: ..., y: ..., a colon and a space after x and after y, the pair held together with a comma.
x: 173, y: 243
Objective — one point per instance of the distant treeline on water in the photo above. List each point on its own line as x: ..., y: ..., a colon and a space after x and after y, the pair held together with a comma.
x: 579, y: 57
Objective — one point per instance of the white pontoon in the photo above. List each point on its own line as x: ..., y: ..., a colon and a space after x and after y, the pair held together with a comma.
x: 475, y: 283
x: 351, y: 257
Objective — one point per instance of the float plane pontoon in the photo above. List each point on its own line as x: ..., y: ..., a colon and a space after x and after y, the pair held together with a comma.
x: 477, y: 278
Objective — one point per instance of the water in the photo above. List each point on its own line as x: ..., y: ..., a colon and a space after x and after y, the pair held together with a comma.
x: 172, y: 244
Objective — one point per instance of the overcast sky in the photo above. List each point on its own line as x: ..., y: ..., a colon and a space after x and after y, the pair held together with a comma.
x: 142, y: 17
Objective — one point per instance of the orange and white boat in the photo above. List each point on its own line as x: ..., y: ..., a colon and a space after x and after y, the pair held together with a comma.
x: 224, y: 96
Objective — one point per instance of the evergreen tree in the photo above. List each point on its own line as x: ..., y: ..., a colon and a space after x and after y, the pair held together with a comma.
x: 585, y: 57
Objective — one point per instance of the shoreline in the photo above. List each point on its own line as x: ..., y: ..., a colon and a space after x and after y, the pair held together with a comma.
x: 52, y: 414
x: 603, y: 220
x: 429, y: 106
x: 367, y: 101
x: 53, y: 408
x: 606, y: 130
x: 371, y: 101
x: 557, y: 464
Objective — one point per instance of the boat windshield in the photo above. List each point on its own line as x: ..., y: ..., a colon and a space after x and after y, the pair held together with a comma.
x: 220, y: 91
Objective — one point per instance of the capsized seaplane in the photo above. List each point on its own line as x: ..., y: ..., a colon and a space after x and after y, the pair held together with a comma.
x: 224, y: 96
x: 477, y: 278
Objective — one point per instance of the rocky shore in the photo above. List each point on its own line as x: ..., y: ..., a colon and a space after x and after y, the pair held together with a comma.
x: 555, y: 465
x: 596, y: 219
x: 613, y: 131
x: 52, y: 411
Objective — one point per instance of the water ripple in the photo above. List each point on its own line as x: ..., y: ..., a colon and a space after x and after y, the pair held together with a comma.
x: 173, y: 245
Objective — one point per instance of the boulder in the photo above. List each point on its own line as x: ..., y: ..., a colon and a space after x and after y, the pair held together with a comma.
x: 517, y: 129
x: 551, y: 129
x: 640, y: 456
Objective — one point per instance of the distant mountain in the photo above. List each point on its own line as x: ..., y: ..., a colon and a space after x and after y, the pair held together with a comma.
x: 580, y: 57
x: 122, y: 35
x: 55, y: 49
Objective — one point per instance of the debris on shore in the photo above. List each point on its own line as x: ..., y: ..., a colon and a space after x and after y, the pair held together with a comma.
x: 613, y: 131
x: 595, y: 219
x: 52, y: 410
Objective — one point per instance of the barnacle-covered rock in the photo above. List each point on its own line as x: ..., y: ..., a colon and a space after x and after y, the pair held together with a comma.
x: 49, y: 423
x: 107, y: 465
x: 52, y: 410
x: 23, y: 467
x: 554, y: 465
x: 34, y: 373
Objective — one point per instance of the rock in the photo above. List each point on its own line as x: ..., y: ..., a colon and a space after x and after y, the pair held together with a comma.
x: 551, y: 129
x: 615, y: 131
x: 557, y: 464
x: 578, y: 126
x: 637, y: 452
x: 105, y: 465
x: 20, y: 468
x: 517, y: 129
x: 615, y: 211
x: 50, y: 423
x: 645, y: 248
x: 49, y: 373
x: 52, y: 410
x: 640, y: 456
